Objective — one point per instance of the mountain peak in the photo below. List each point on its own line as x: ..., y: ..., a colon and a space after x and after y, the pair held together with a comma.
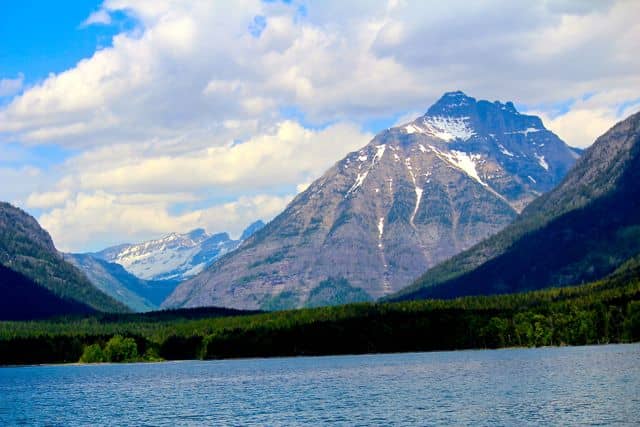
x: 458, y: 103
x: 457, y: 116
x: 197, y: 234
x: 251, y: 229
x: 455, y: 94
x: 508, y: 106
x: 595, y: 210
x: 415, y: 195
x: 175, y: 255
x: 451, y: 103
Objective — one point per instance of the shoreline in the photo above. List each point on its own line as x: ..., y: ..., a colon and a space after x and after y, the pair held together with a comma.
x: 467, y: 350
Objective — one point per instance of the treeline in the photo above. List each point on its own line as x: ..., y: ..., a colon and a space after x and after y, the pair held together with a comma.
x: 604, y: 312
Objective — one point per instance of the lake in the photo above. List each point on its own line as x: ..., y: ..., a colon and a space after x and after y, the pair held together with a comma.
x: 561, y: 386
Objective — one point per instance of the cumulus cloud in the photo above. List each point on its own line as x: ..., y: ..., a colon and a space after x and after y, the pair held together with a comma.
x: 47, y: 199
x: 590, y: 117
x: 110, y: 219
x: 19, y: 181
x: 337, y: 60
x: 287, y: 156
x: 205, y: 101
x: 111, y: 194
x: 581, y: 127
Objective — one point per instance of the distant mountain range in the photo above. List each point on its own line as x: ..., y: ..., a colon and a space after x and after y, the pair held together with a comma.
x: 416, y: 195
x: 449, y: 193
x: 35, y: 280
x: 138, y: 294
x: 174, y: 256
x: 581, y: 231
x: 142, y: 275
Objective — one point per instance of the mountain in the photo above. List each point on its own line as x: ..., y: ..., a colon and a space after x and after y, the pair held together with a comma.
x: 581, y: 231
x: 24, y: 299
x: 111, y: 278
x: 142, y: 275
x: 252, y: 229
x: 415, y: 195
x: 174, y: 257
x: 27, y: 249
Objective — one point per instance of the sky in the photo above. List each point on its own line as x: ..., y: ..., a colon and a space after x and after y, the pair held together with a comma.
x: 124, y: 120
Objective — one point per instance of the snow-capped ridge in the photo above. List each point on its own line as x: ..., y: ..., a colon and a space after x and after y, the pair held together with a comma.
x: 442, y: 127
x: 174, y: 256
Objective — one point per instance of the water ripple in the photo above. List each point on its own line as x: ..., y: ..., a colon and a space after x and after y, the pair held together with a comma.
x: 561, y: 386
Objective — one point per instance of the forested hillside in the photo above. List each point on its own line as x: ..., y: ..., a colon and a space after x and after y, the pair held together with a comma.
x: 23, y: 299
x: 28, y: 249
x: 607, y: 311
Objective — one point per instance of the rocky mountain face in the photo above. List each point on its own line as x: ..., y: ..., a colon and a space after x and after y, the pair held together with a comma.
x: 416, y: 195
x: 174, y: 257
x: 581, y: 231
x: 27, y: 249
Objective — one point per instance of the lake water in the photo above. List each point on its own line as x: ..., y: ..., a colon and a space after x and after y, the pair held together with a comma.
x: 561, y: 386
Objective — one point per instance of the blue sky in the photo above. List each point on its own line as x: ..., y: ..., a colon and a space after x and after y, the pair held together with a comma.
x: 41, y: 37
x: 125, y: 120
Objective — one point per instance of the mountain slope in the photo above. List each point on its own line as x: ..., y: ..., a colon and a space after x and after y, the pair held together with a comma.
x: 414, y: 196
x: 112, y: 279
x: 581, y: 231
x: 174, y: 257
x: 28, y: 249
x: 23, y: 299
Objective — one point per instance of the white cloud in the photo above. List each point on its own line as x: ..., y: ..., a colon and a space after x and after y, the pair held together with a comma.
x: 192, y: 66
x: 101, y: 17
x: 194, y: 107
x: 10, y: 86
x: 588, y: 118
x: 286, y: 156
x: 126, y: 193
x: 19, y: 181
x: 581, y: 127
x: 110, y: 219
x: 47, y: 199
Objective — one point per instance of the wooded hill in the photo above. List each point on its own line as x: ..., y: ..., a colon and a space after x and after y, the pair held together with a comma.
x: 607, y: 311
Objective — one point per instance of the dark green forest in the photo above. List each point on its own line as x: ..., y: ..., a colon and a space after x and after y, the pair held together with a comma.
x: 27, y: 249
x: 23, y: 299
x: 607, y: 311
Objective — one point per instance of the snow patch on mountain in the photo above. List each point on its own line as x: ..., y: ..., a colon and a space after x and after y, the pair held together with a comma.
x: 542, y: 162
x: 505, y: 151
x: 461, y: 160
x: 174, y: 256
x: 445, y: 128
x: 359, y: 180
x: 419, y: 192
x: 449, y: 128
x: 362, y: 176
x: 525, y: 132
x: 379, y: 152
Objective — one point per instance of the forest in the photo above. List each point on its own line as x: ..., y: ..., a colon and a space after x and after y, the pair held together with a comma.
x: 607, y: 311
